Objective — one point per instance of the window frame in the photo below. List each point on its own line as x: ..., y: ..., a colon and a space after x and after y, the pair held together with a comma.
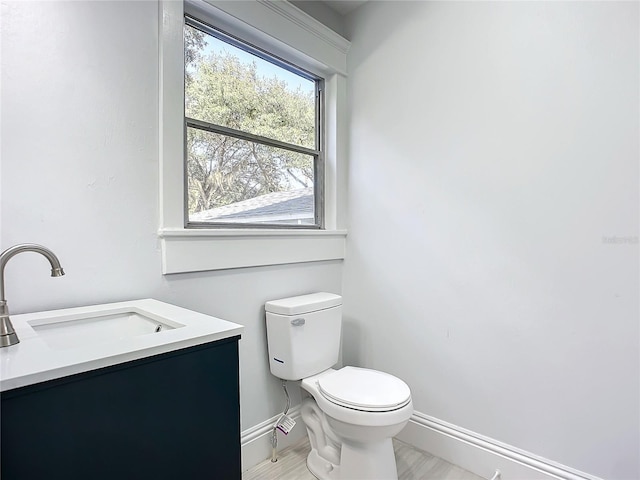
x: 279, y: 27
x: 317, y: 153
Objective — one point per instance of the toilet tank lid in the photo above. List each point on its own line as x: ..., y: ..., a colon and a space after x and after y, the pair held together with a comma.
x: 303, y: 303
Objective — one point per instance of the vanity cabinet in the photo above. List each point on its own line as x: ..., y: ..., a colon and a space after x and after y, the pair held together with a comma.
x: 172, y: 416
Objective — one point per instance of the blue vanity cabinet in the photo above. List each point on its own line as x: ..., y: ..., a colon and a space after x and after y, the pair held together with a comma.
x: 174, y: 416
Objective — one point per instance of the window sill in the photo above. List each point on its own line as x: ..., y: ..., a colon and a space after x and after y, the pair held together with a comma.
x: 200, y: 250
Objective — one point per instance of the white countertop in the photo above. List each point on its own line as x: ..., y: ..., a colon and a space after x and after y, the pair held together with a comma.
x: 33, y: 360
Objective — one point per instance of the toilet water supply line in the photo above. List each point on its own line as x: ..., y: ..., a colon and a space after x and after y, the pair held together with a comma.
x: 274, y: 434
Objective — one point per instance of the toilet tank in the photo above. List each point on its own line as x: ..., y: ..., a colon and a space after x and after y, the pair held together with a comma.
x: 303, y: 334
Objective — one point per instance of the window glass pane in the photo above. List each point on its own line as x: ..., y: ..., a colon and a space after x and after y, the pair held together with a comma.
x: 227, y: 86
x: 239, y: 181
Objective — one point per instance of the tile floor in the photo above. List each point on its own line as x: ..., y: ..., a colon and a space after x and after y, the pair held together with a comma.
x: 413, y: 464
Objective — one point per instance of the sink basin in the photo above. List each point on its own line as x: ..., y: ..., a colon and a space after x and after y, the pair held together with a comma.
x: 59, y: 343
x: 72, y: 331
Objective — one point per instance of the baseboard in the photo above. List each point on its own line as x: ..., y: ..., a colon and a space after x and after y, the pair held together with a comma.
x: 256, y: 441
x: 481, y: 455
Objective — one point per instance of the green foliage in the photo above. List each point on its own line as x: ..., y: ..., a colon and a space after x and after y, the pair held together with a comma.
x: 194, y: 43
x: 222, y: 90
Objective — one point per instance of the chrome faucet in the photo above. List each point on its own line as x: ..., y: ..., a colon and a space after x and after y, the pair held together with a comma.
x: 8, y: 335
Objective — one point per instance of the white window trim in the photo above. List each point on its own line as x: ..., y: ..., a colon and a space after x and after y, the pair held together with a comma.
x: 286, y: 31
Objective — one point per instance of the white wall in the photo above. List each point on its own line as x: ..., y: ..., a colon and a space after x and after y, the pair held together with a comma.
x: 493, y: 146
x: 323, y: 13
x: 80, y: 175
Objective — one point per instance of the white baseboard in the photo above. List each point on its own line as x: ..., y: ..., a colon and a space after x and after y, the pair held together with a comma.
x: 469, y: 450
x: 256, y: 441
x: 481, y: 455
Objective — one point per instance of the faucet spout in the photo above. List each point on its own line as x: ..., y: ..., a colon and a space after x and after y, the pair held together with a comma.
x: 8, y: 335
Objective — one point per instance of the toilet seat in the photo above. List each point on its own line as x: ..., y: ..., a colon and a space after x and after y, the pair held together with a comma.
x: 364, y: 389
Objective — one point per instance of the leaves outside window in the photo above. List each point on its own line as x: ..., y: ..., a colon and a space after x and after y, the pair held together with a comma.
x: 252, y: 123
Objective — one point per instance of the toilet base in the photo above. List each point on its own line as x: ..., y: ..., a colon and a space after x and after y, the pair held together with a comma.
x: 320, y: 468
x: 346, y: 458
x: 371, y: 462
x: 375, y: 462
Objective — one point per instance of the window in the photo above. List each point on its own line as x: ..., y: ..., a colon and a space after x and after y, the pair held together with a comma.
x: 299, y: 47
x: 253, y: 131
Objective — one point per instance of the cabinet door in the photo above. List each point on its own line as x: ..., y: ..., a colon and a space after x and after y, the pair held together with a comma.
x: 173, y: 416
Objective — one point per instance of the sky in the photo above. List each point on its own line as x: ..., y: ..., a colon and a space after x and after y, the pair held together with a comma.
x: 263, y: 67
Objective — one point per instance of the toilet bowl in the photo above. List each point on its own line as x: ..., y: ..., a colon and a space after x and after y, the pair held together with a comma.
x: 351, y: 414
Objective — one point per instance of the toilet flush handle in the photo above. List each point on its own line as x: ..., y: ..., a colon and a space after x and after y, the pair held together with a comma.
x: 298, y: 322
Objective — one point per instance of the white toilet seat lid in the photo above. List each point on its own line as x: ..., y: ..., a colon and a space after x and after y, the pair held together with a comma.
x: 364, y: 389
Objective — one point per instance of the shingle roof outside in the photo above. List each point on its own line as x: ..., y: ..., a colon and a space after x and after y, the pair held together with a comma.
x: 294, y: 204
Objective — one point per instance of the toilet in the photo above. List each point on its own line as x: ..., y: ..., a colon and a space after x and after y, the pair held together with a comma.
x: 351, y: 414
